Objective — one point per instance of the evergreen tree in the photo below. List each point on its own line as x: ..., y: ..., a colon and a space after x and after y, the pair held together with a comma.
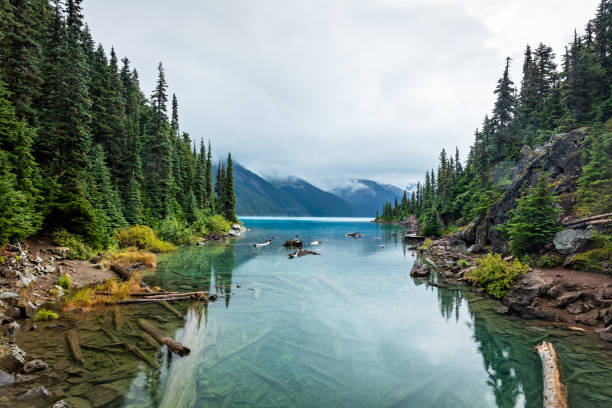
x: 533, y: 223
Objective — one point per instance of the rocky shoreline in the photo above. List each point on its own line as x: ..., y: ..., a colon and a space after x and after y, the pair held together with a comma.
x: 582, y: 300
x: 29, y: 275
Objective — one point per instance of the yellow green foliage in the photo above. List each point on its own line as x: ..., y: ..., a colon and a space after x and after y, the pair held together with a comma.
x: 82, y: 298
x: 65, y: 281
x: 78, y: 250
x: 496, y: 275
x: 132, y: 255
x: 216, y: 224
x: 426, y: 245
x: 45, y: 315
x: 591, y: 261
x: 142, y: 237
x: 463, y: 263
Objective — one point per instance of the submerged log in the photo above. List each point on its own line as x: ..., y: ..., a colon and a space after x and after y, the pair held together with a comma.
x: 302, y: 252
x: 150, y: 298
x: 171, y: 308
x: 139, y: 353
x: 149, y: 340
x: 173, y: 345
x: 123, y: 272
x: 555, y: 395
x: 117, y: 318
x: 73, y: 342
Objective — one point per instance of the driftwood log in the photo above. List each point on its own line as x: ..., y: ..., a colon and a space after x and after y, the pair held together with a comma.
x: 73, y: 342
x: 123, y: 272
x: 171, y: 308
x: 173, y: 345
x: 587, y: 219
x: 150, y: 298
x: 555, y: 394
x: 302, y: 252
x: 353, y: 234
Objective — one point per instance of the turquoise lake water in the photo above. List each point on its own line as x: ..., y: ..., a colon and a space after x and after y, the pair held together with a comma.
x: 349, y: 328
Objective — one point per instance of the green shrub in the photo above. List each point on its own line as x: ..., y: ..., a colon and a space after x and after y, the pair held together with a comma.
x: 176, y: 231
x: 450, y: 230
x: 216, y: 224
x: 544, y: 261
x: 78, y: 249
x: 44, y: 315
x: 65, y: 281
x: 463, y: 263
x: 426, y: 245
x: 431, y: 226
x: 496, y: 275
x: 141, y: 237
x: 593, y: 260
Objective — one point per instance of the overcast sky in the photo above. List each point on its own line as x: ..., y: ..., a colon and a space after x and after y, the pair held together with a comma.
x: 330, y: 90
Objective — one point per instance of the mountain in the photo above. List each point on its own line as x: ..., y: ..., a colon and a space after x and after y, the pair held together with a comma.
x: 369, y: 196
x: 317, y: 202
x: 256, y: 196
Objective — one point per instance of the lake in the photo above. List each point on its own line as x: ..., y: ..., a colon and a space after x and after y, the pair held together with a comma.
x: 347, y: 328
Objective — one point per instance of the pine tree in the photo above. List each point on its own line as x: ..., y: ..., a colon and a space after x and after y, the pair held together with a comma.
x: 595, y: 184
x: 229, y: 197
x: 532, y: 223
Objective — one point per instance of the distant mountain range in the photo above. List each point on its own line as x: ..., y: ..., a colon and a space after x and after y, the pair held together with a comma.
x: 292, y: 196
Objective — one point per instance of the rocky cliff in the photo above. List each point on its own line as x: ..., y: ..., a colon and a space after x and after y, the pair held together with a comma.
x: 560, y: 159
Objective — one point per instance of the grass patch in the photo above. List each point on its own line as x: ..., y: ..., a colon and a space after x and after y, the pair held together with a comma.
x: 44, y: 315
x: 495, y: 275
x: 450, y: 230
x: 591, y: 261
x: 543, y: 261
x: 132, y: 255
x: 110, y: 292
x: 65, y: 281
x: 463, y: 263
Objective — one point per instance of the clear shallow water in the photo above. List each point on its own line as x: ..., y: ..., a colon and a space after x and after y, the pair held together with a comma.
x: 348, y: 328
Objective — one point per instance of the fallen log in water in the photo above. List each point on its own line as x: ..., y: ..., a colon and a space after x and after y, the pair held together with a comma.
x: 302, y: 252
x: 293, y: 243
x: 171, y: 308
x: 139, y: 353
x: 123, y: 272
x: 555, y: 395
x: 173, y: 345
x: 73, y: 342
x: 150, y: 298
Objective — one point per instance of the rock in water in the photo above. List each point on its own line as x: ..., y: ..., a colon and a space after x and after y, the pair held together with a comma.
x: 34, y: 365
x: 570, y: 241
x: 6, y: 378
x: 38, y: 392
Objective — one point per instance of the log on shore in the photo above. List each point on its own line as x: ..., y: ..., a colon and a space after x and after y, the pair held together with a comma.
x: 123, y: 272
x: 572, y: 223
x: 555, y: 394
x: 173, y: 345
x: 75, y: 348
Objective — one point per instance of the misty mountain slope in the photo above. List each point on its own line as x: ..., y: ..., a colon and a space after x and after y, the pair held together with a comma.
x: 367, y: 195
x: 319, y: 203
x: 256, y: 196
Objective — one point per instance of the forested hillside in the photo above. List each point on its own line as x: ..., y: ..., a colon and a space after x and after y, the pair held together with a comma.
x: 550, y: 100
x: 83, y: 149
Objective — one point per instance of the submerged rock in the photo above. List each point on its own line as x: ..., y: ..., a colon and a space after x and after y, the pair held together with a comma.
x: 6, y: 378
x: 37, y: 392
x: 34, y: 365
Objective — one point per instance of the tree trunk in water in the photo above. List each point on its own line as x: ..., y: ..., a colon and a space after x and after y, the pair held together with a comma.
x: 73, y: 342
x: 555, y: 395
x: 173, y: 345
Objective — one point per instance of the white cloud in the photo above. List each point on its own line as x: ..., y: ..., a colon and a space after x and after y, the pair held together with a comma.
x: 332, y: 90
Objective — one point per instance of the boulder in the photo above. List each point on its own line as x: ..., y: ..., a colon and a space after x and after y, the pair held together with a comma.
x: 606, y: 336
x: 37, y: 392
x: 62, y: 404
x: 528, y: 287
x: 6, y: 379
x: 589, y: 318
x: 570, y: 241
x: 12, y: 357
x: 62, y: 252
x: 576, y: 308
x: 475, y: 249
x: 34, y: 365
x: 567, y: 298
x: 420, y: 268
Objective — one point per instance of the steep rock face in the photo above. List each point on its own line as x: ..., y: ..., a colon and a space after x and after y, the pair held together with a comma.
x: 560, y: 159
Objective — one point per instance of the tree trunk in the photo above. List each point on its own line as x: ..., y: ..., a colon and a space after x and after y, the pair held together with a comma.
x: 173, y: 345
x: 122, y: 271
x: 555, y: 395
x: 73, y: 342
